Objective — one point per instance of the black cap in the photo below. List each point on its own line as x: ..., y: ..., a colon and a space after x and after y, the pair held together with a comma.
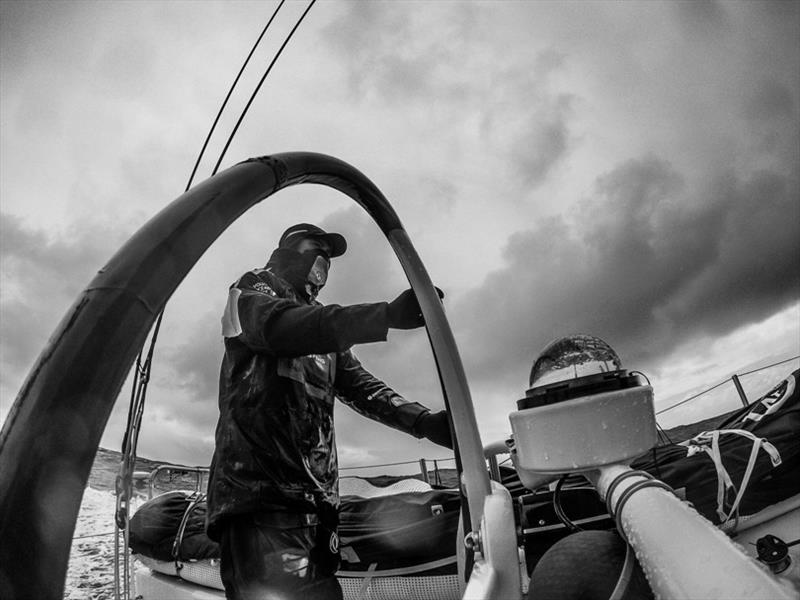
x: 295, y: 233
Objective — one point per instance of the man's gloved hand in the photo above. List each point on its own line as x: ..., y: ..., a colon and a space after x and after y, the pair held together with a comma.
x: 404, y: 311
x: 435, y: 427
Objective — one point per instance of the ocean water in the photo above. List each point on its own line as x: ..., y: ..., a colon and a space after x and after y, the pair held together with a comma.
x: 90, y: 575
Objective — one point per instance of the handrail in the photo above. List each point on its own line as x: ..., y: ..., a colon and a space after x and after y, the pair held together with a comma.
x: 393, y: 464
x: 723, y: 382
x: 52, y: 432
x: 198, y: 471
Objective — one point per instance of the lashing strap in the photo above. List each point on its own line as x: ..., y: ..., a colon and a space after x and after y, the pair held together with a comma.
x: 708, y: 441
x: 194, y: 500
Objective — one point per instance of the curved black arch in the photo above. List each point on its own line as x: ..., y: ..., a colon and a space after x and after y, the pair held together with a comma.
x: 53, y: 430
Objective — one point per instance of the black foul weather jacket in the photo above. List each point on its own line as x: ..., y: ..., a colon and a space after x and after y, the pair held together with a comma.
x: 286, y: 359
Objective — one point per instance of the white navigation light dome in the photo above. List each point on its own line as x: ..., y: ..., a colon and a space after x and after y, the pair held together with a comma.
x: 572, y: 357
x: 583, y: 410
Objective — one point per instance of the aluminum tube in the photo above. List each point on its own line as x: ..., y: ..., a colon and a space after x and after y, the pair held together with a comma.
x: 482, y: 583
x: 451, y: 373
x: 682, y: 554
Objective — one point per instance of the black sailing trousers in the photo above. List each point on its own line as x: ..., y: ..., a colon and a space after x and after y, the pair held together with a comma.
x: 280, y: 556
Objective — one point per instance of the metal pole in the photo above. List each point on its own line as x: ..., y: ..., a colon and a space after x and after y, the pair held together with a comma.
x: 740, y: 389
x: 423, y: 468
x: 699, y: 563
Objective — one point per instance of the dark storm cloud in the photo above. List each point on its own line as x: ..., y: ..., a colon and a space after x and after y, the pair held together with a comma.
x: 701, y: 16
x: 521, y: 118
x: 387, y: 61
x: 194, y: 364
x: 28, y: 27
x: 756, y: 266
x: 41, y: 277
x: 365, y: 272
x: 646, y: 264
x: 770, y: 101
x: 781, y: 11
x: 540, y: 142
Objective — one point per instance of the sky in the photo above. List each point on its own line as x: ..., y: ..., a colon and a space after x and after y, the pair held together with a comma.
x: 627, y: 170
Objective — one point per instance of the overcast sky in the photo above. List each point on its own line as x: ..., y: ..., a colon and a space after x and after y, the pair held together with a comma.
x: 628, y: 170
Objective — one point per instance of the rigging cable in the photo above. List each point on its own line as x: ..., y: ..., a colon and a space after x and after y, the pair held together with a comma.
x: 230, y: 91
x: 723, y: 382
x: 258, y: 87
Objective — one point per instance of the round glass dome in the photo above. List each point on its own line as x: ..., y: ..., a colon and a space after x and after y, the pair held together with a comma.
x: 572, y: 357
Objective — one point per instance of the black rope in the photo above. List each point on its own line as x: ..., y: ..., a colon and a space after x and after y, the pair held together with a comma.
x: 230, y: 92
x: 194, y: 502
x: 559, y: 510
x: 258, y: 87
x: 663, y: 434
x: 140, y: 384
x: 133, y: 397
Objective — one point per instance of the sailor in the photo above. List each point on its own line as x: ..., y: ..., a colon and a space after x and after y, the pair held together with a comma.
x: 273, y: 489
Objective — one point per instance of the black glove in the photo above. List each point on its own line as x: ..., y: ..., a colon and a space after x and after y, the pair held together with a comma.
x: 435, y: 427
x: 404, y: 311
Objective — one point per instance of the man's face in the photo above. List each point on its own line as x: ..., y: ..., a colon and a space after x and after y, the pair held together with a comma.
x: 310, y: 244
x: 318, y: 275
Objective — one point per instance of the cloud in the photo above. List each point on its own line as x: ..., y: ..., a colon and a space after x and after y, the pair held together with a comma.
x: 647, y: 264
x: 525, y: 120
x: 368, y: 271
x: 521, y: 118
x: 388, y: 63
x: 769, y: 108
x: 756, y: 263
x: 458, y: 110
x: 193, y: 364
x: 771, y: 100
x: 782, y: 14
x: 41, y: 276
x: 702, y: 17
